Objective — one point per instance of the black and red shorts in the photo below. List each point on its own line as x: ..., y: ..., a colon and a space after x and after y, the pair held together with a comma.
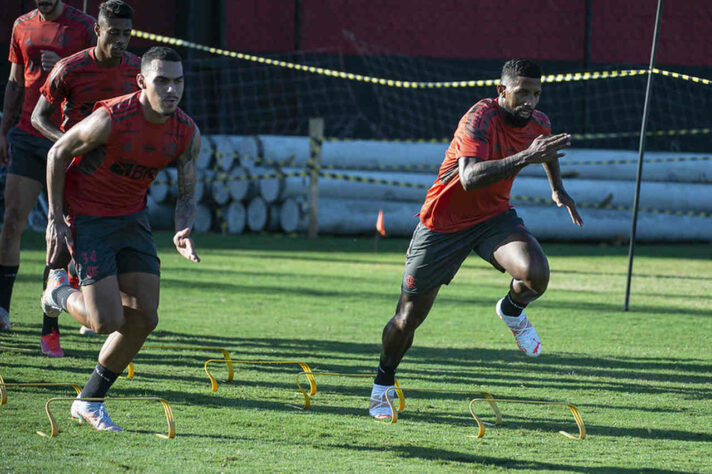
x: 433, y: 258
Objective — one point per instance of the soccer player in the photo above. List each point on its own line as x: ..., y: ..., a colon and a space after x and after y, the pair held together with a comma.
x: 467, y: 208
x: 39, y: 39
x: 116, y: 153
x: 77, y: 82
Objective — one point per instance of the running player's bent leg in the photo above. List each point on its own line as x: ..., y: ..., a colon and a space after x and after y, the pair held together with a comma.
x: 523, y: 258
x: 521, y: 255
x: 98, y: 306
x: 139, y: 294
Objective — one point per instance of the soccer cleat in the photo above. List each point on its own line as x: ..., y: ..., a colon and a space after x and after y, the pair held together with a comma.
x: 50, y: 345
x: 524, y: 333
x: 95, y: 414
x: 4, y: 320
x: 55, y: 279
x: 379, y: 407
x: 85, y: 331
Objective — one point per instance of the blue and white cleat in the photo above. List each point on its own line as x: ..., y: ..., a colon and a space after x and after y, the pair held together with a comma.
x: 379, y: 407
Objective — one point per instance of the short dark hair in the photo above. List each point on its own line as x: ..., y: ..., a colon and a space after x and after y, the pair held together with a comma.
x: 520, y: 67
x: 159, y: 52
x: 115, y: 9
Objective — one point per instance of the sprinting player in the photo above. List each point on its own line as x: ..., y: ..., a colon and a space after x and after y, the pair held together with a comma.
x: 116, y: 153
x: 77, y: 82
x: 467, y: 208
x: 39, y: 39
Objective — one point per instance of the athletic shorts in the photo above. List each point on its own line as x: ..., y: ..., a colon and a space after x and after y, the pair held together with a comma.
x: 106, y: 246
x: 433, y: 258
x: 28, y: 155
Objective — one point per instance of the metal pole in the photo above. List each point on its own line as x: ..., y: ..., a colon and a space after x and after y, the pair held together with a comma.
x: 86, y: 6
x: 641, y: 152
x: 316, y: 139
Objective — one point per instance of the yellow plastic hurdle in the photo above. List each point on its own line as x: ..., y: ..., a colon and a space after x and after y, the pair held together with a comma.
x: 493, y: 404
x: 225, y: 353
x: 498, y: 415
x: 303, y: 365
x: 3, y: 384
x: 166, y: 409
x: 310, y: 375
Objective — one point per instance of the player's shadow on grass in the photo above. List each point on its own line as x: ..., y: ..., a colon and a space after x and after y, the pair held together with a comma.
x: 387, y: 296
x: 484, y: 462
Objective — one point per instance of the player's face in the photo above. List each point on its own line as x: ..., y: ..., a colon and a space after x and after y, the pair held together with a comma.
x: 162, y: 85
x: 46, y: 7
x: 113, y: 35
x: 520, y: 97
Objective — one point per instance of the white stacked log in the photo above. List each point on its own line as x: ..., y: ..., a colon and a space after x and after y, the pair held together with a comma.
x: 427, y: 157
x: 351, y: 216
x: 235, y: 217
x: 239, y: 184
x: 257, y: 214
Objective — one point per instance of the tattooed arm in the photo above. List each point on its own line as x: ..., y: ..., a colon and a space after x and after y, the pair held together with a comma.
x: 185, y: 202
x: 476, y: 173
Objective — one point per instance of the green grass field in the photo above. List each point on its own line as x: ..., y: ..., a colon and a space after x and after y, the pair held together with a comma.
x: 642, y: 379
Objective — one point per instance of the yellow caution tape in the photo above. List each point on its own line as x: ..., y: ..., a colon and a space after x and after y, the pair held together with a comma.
x: 575, y: 136
x: 568, y: 77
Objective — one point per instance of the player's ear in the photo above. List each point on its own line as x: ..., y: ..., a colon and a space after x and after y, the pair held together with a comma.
x: 500, y: 89
x: 97, y: 29
x: 141, y: 81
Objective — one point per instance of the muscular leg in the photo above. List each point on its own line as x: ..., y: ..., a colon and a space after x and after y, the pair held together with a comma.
x: 139, y: 295
x: 125, y: 307
x: 523, y: 258
x: 20, y: 197
x: 398, y: 334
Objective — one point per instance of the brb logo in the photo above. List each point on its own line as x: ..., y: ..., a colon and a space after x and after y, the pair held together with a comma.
x: 133, y: 170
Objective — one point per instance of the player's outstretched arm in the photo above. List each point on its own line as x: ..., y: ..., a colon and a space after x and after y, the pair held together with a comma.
x: 477, y: 173
x: 185, y: 202
x: 12, y: 103
x: 85, y: 137
x: 42, y: 119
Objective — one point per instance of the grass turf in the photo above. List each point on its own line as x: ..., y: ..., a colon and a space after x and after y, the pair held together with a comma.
x: 642, y: 379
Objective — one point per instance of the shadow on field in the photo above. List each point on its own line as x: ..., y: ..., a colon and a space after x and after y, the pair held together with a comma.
x: 440, y: 455
x: 389, y: 294
x: 590, y: 380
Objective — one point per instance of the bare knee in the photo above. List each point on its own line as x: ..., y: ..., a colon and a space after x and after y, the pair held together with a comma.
x: 149, y: 321
x: 407, y: 318
x: 535, y: 279
x: 106, y: 324
x: 13, y: 222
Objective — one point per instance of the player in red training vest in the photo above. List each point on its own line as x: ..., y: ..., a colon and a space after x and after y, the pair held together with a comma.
x: 467, y: 208
x: 39, y: 39
x: 115, y: 154
x: 77, y: 82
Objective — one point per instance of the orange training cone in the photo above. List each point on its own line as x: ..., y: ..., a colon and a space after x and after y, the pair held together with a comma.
x: 380, y: 226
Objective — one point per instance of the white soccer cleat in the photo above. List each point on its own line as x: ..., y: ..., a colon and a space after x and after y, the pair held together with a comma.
x: 4, y: 320
x: 524, y: 333
x: 55, y: 279
x: 95, y: 414
x: 379, y: 407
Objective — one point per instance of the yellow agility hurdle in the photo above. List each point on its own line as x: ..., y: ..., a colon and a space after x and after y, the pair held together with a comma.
x: 310, y: 375
x: 3, y: 384
x: 493, y: 404
x: 225, y: 353
x: 214, y: 383
x: 166, y: 409
x: 498, y: 415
